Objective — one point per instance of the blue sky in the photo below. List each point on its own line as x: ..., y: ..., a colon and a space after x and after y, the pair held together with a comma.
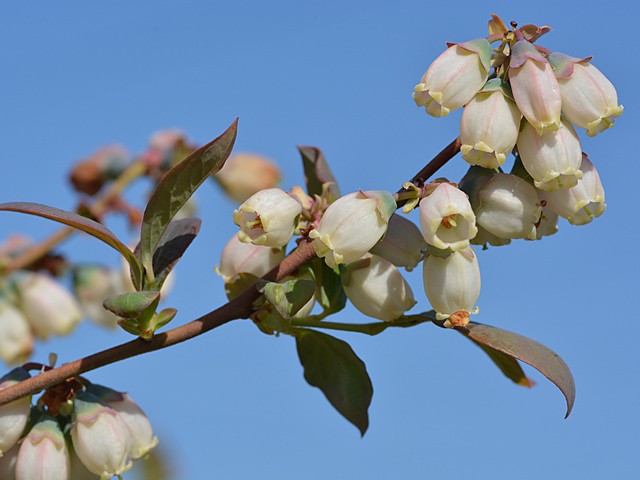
x: 233, y: 404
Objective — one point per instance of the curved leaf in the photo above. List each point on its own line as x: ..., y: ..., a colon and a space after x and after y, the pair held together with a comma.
x: 331, y: 365
x: 508, y: 365
x: 84, y: 224
x: 543, y: 359
x: 177, y: 186
x: 317, y: 171
x: 131, y: 305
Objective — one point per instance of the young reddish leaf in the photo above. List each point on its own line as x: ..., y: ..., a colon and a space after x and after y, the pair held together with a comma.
x: 317, y: 171
x: 84, y: 224
x: 331, y: 365
x: 508, y: 365
x: 177, y: 186
x: 528, y: 351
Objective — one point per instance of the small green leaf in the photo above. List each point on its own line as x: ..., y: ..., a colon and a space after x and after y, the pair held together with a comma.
x: 176, y: 187
x: 163, y: 317
x: 84, y: 224
x: 331, y: 294
x: 528, y: 351
x: 331, y: 365
x: 288, y: 297
x: 317, y: 171
x: 131, y: 305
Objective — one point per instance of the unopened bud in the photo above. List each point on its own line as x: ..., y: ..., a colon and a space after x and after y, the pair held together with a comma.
x: 402, y: 244
x: 43, y: 453
x: 92, y: 285
x: 238, y: 257
x: 16, y: 339
x: 244, y: 174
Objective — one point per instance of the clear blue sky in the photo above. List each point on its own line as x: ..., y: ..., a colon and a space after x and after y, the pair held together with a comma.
x: 233, y: 404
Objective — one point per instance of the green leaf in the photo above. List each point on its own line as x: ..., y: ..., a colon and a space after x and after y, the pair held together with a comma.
x: 131, y: 305
x: 174, y: 242
x: 508, y: 365
x: 331, y: 294
x: 163, y: 317
x: 317, y: 171
x: 288, y: 297
x: 84, y: 224
x: 176, y: 187
x: 331, y: 365
x: 528, y: 351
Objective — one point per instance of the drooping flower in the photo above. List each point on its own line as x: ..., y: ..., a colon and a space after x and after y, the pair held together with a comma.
x: 489, y: 126
x: 268, y: 218
x: 535, y: 87
x: 92, y: 285
x: 16, y: 339
x: 43, y: 453
x: 245, y: 174
x: 447, y: 219
x: 589, y: 99
x: 352, y: 225
x: 13, y: 416
x: 376, y: 288
x: 238, y: 257
x: 454, y: 77
x: 402, y: 244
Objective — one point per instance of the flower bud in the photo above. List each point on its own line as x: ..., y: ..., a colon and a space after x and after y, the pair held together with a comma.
x: 141, y: 433
x: 582, y: 203
x: 454, y: 77
x: 589, y: 100
x: 553, y: 158
x: 489, y: 126
x: 238, y: 257
x: 507, y: 206
x: 376, y: 288
x: 89, y: 175
x: 352, y: 225
x: 16, y: 340
x: 43, y: 454
x: 535, y: 87
x: 245, y: 174
x: 446, y: 218
x: 94, y: 284
x: 13, y: 416
x: 166, y: 149
x: 452, y: 285
x: 48, y: 306
x: 403, y: 243
x: 268, y: 218
x: 100, y: 437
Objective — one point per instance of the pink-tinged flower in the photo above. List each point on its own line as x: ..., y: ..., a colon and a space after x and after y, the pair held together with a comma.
x: 553, y: 158
x: 352, y: 225
x: 43, y: 454
x: 506, y: 206
x: 447, y: 219
x: 452, y: 285
x: 376, y: 288
x: 403, y: 243
x: 489, y: 126
x: 582, y: 203
x: 589, y: 99
x: 100, y: 437
x: 238, y: 257
x: 140, y: 431
x: 16, y: 339
x: 268, y: 218
x: 13, y: 416
x: 535, y: 87
x: 454, y: 77
x: 50, y: 308
x: 244, y: 174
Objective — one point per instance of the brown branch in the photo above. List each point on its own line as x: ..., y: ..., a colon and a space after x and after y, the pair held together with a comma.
x: 239, y: 307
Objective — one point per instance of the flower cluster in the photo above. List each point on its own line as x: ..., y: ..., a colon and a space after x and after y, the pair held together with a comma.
x: 522, y: 97
x: 75, y: 430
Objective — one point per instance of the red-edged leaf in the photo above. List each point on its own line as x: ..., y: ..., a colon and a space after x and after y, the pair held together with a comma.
x: 543, y: 359
x: 84, y: 224
x: 317, y: 171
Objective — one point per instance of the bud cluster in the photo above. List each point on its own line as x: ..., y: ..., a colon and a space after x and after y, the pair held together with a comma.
x: 76, y: 430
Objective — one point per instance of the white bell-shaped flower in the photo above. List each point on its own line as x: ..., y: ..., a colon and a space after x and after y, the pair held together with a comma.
x: 16, y: 339
x: 100, y: 437
x: 582, y: 203
x: 245, y: 174
x: 376, y: 288
x: 403, y: 243
x: 454, y: 77
x: 447, y: 219
x: 239, y: 257
x: 352, y: 225
x: 452, y: 285
x: 489, y: 126
x: 8, y: 463
x: 589, y: 99
x: 507, y: 206
x: 92, y: 285
x: 535, y: 87
x: 13, y: 416
x: 43, y: 453
x: 553, y: 158
x: 49, y: 307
